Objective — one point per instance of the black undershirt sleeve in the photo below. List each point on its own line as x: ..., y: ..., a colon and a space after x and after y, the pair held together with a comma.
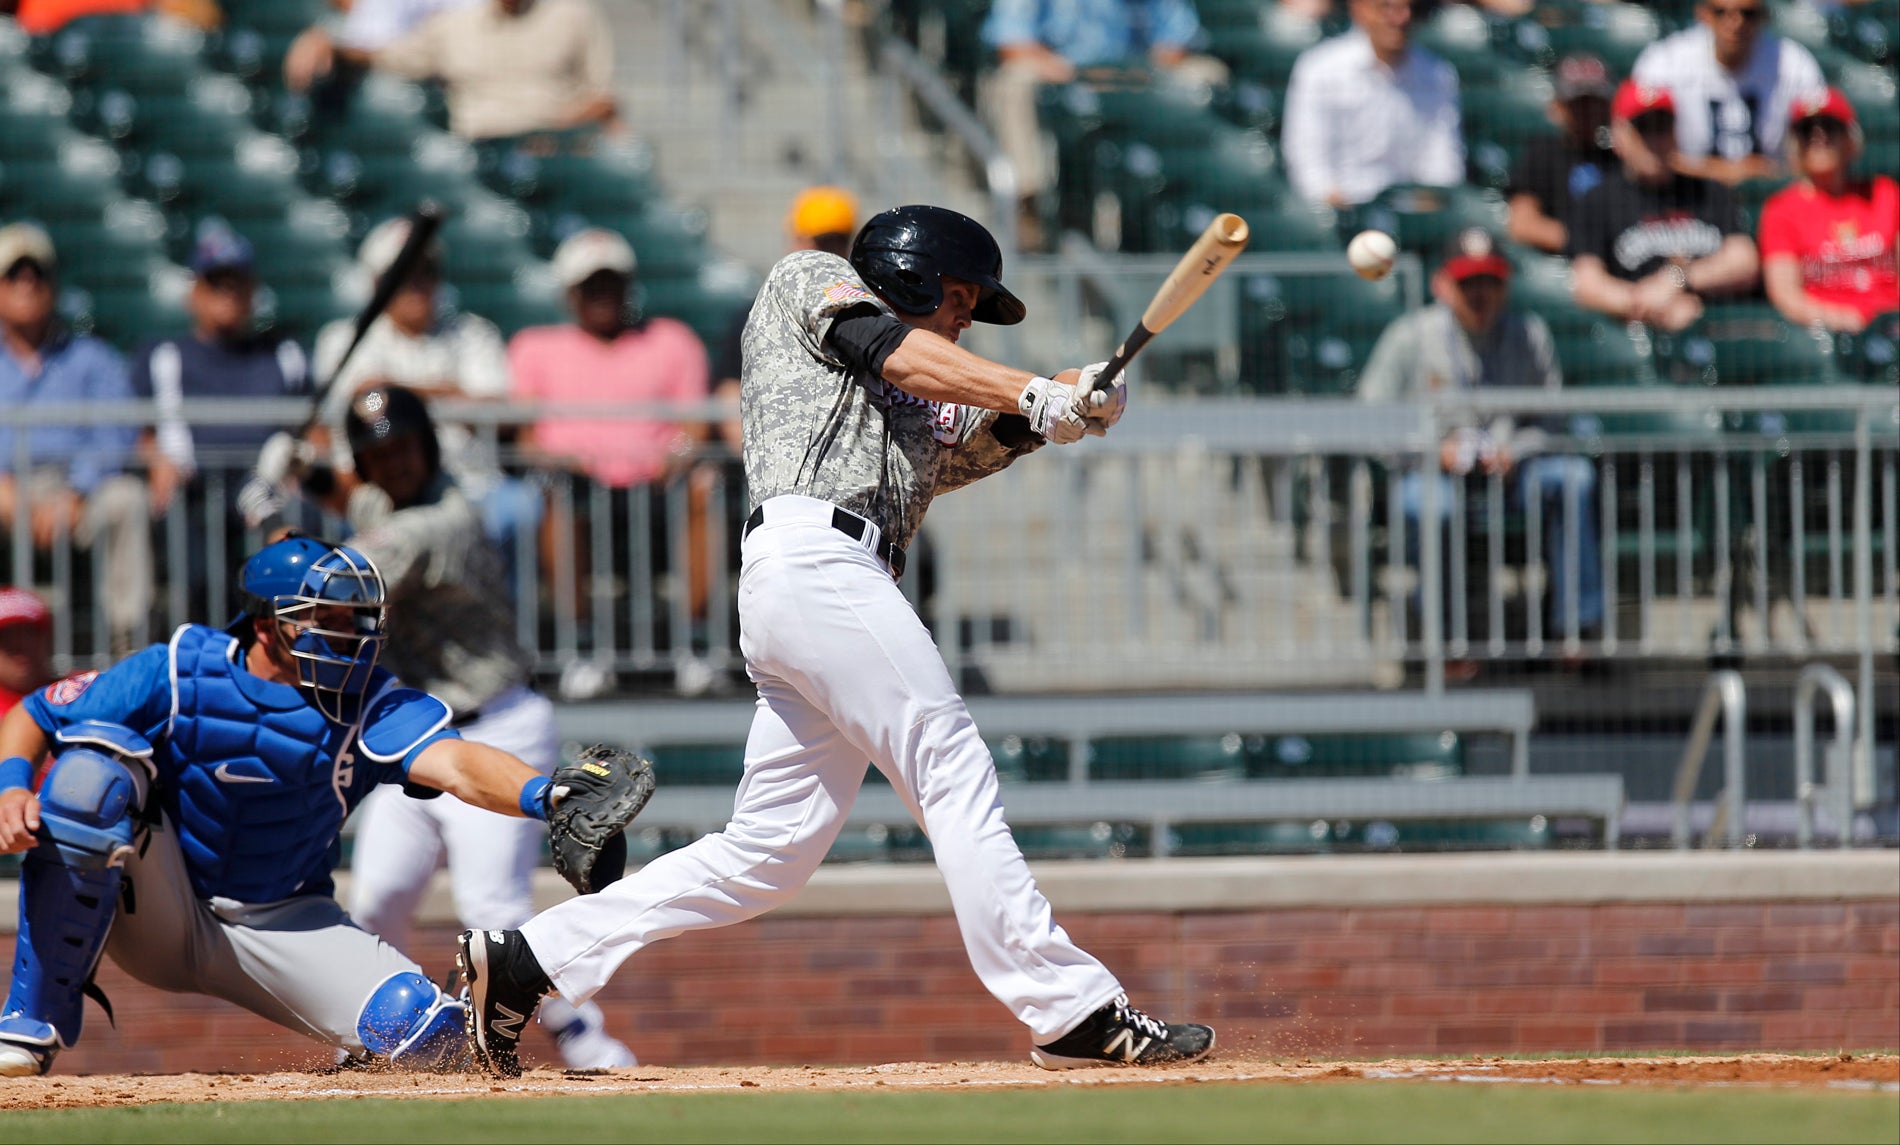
x: 865, y: 337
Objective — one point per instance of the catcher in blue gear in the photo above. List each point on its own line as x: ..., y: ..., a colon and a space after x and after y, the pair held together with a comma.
x: 213, y: 773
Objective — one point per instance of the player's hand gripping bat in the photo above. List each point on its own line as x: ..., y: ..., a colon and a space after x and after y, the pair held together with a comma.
x: 1224, y: 238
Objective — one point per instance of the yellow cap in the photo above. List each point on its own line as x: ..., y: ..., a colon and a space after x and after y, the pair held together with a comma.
x: 823, y: 211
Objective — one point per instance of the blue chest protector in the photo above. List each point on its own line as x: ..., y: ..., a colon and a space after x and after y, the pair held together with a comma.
x: 258, y: 782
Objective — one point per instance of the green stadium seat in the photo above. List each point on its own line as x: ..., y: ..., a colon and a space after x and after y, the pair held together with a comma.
x: 1870, y: 88
x: 277, y: 15
x: 1035, y: 759
x: 1167, y: 757
x: 439, y: 167
x: 33, y: 135
x: 1075, y: 841
x: 1424, y: 218
x: 1871, y: 356
x: 1424, y: 755
x: 309, y: 245
x: 1531, y: 834
x: 697, y: 765
x: 1870, y: 31
x: 136, y: 53
x: 1604, y: 352
x: 1511, y: 113
x: 299, y: 310
x: 127, y: 317
x: 385, y: 116
x: 667, y: 242
x: 611, y: 179
x: 486, y: 240
x: 1469, y: 39
x: 260, y: 181
x: 1289, y: 838
x: 510, y: 306
x: 1754, y: 346
x: 1615, y: 32
x: 121, y: 249
x: 80, y: 184
x: 211, y: 118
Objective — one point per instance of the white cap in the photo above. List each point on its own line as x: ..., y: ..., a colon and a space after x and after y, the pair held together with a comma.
x: 24, y: 240
x: 384, y: 242
x: 586, y: 253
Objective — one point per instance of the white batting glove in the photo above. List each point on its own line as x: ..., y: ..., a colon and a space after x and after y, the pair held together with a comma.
x: 1050, y: 407
x: 1099, y: 410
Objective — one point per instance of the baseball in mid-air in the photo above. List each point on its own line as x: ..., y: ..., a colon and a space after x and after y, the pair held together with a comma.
x: 1371, y: 254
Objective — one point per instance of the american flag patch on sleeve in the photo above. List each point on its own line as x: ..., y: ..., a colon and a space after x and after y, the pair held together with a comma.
x: 847, y: 292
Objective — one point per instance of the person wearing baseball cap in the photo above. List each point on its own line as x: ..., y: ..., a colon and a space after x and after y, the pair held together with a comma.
x: 611, y: 354
x: 1648, y: 243
x: 74, y: 486
x: 26, y: 645
x: 1557, y: 169
x: 1828, y: 241
x: 822, y: 218
x: 1472, y: 338
x: 222, y: 357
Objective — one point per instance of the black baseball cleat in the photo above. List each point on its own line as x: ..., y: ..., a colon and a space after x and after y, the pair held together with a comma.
x: 505, y: 985
x: 1119, y: 1034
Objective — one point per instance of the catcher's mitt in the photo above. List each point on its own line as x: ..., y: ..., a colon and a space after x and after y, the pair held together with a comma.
x: 591, y: 802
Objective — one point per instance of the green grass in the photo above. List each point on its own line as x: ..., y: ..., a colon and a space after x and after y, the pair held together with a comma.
x: 1334, y: 1113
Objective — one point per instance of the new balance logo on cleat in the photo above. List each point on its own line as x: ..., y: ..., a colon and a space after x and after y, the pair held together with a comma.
x: 1119, y: 1034
x: 505, y: 985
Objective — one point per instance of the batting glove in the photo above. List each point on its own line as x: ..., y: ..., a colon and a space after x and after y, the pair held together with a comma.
x: 1050, y: 407
x: 1099, y: 410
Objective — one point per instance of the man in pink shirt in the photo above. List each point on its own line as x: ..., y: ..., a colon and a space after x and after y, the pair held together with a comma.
x: 609, y: 356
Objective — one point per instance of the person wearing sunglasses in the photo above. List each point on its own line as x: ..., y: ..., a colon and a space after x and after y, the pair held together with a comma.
x: 1734, y: 81
x: 1649, y: 243
x: 1828, y: 240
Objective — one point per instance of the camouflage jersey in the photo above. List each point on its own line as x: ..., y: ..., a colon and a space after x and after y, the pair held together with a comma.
x: 819, y: 428
x: 451, y: 630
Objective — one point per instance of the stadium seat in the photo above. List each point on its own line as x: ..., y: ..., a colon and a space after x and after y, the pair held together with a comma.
x: 1288, y: 838
x: 697, y: 765
x: 127, y: 317
x: 211, y: 118
x: 1870, y: 31
x: 1871, y: 356
x: 1157, y: 757
x: 260, y: 181
x: 299, y: 310
x: 137, y: 53
x: 1614, y: 32
x: 1604, y: 352
x: 510, y: 306
x: 1423, y: 218
x: 309, y: 245
x: 1075, y: 841
x: 81, y: 183
x: 120, y: 249
x: 1753, y: 345
x: 1424, y: 755
x: 1035, y: 759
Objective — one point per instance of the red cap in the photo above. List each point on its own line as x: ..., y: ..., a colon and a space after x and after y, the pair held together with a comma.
x: 23, y: 606
x: 1473, y: 252
x: 1828, y: 103
x: 1634, y: 99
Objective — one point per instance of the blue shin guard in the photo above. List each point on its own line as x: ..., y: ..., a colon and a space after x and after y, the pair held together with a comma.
x: 413, y: 1025
x: 69, y: 892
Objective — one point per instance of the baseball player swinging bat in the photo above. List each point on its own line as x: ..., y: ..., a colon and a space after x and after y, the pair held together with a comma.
x: 1224, y: 238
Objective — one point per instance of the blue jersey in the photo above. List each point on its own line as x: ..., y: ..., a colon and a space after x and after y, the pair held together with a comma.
x: 256, y: 781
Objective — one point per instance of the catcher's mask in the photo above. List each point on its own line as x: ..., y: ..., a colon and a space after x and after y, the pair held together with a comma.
x: 333, y: 599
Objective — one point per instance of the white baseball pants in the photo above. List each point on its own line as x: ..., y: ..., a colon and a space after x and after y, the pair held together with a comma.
x: 846, y: 672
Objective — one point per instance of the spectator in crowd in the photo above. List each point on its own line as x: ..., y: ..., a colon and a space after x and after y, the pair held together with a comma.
x: 1557, y: 169
x: 606, y: 355
x: 413, y: 344
x: 1827, y: 242
x: 223, y: 359
x: 510, y: 67
x: 1041, y: 42
x: 1470, y: 338
x: 1733, y: 83
x: 363, y: 28
x: 1648, y: 243
x: 26, y: 645
x: 75, y: 485
x: 1368, y: 109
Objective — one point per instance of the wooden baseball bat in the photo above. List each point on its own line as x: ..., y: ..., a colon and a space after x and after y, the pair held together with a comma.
x: 1224, y: 238
x: 423, y: 224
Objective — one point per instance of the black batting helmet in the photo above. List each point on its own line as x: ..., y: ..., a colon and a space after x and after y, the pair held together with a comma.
x: 385, y: 413
x: 901, y: 254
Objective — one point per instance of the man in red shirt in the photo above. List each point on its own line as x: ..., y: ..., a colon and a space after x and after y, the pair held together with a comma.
x: 1827, y: 241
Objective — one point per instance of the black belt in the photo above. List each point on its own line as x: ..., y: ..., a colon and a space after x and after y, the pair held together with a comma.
x: 848, y: 523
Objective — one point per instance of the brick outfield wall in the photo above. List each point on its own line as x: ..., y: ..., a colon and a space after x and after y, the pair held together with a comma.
x: 1275, y: 982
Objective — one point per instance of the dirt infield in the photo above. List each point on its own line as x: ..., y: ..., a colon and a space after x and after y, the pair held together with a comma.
x: 1851, y: 1071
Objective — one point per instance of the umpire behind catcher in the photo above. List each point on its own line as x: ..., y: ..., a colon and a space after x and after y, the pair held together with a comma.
x: 858, y: 408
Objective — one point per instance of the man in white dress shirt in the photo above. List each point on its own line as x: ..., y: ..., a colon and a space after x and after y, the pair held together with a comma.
x: 1733, y: 82
x: 1367, y: 110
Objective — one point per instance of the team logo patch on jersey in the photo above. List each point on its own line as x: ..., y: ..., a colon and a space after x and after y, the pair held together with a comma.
x: 944, y: 428
x: 70, y: 689
x: 847, y: 292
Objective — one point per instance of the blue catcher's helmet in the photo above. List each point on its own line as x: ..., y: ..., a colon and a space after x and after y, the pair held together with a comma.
x: 333, y: 597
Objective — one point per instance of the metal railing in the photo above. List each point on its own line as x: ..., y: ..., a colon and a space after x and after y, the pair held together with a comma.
x: 1725, y: 697
x: 1840, y: 766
